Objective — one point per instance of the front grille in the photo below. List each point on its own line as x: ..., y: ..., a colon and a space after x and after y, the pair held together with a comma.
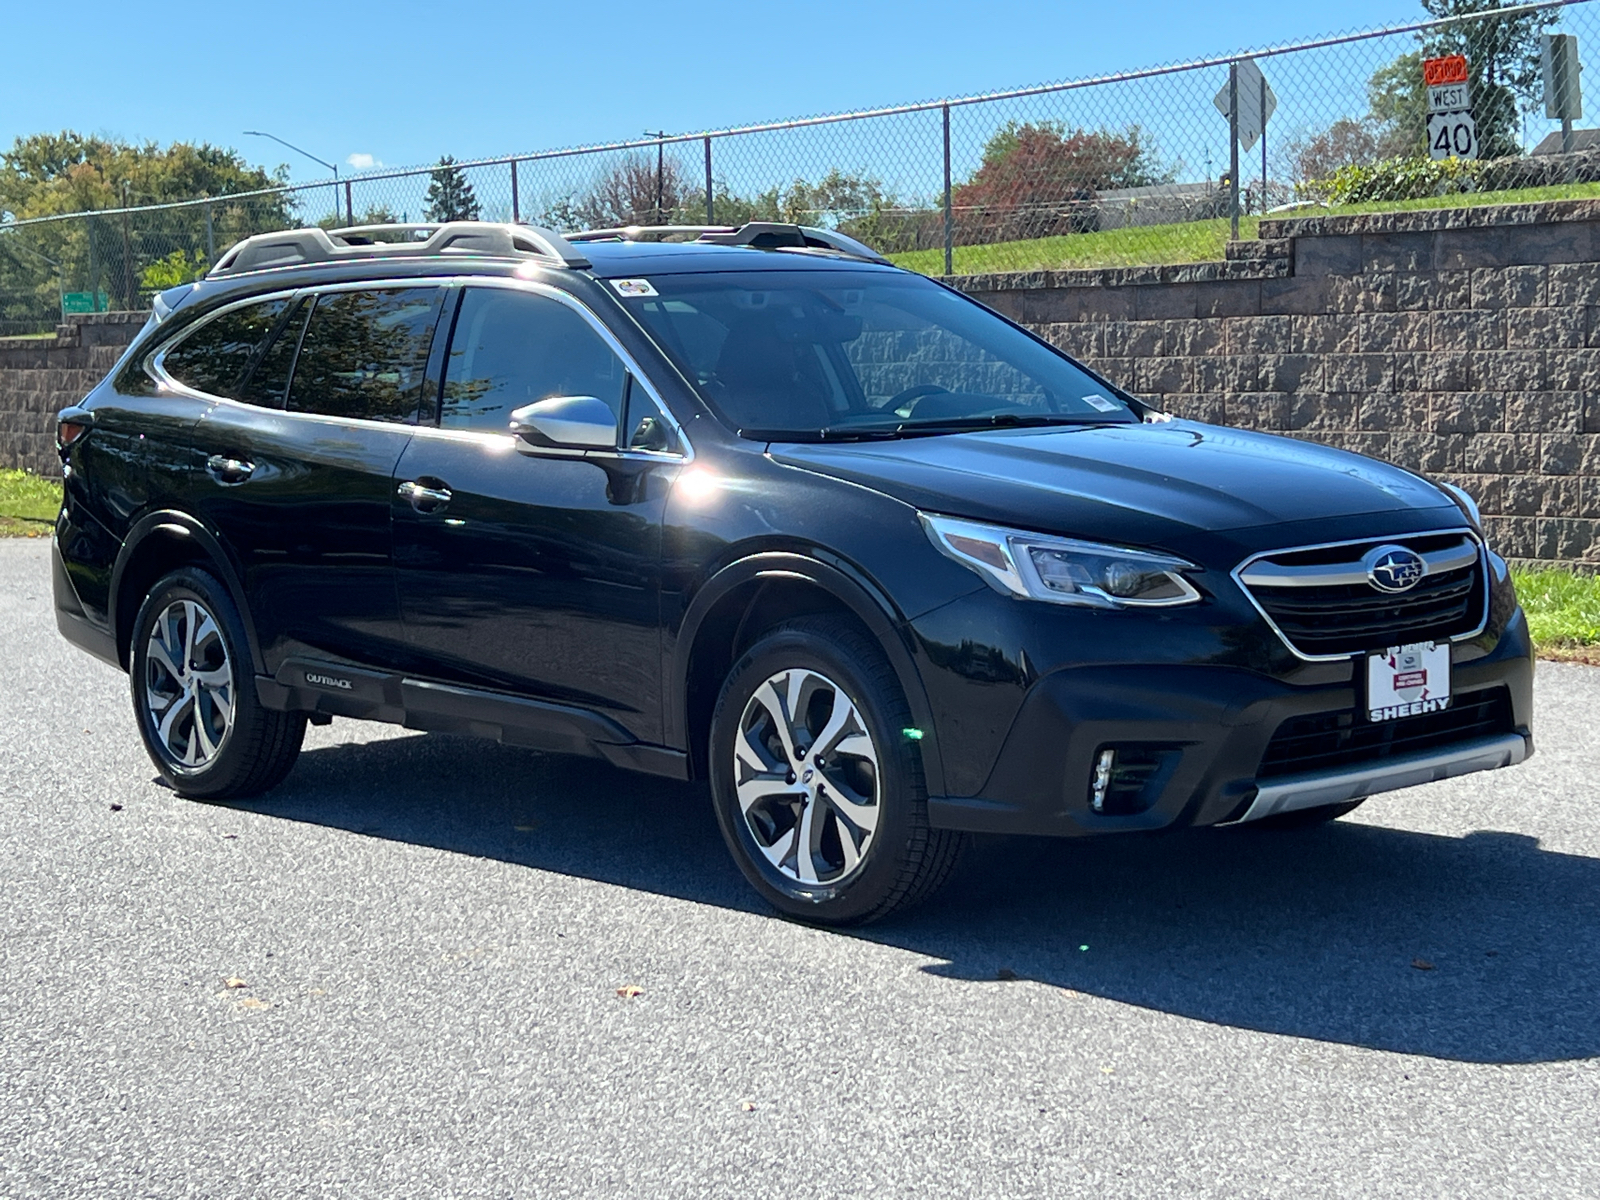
x: 1352, y: 617
x: 1327, y: 741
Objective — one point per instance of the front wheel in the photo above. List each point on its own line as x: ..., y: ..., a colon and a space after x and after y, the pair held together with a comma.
x: 818, y: 790
x: 194, y: 694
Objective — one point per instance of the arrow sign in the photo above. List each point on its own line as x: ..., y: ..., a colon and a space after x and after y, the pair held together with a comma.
x: 1252, y: 117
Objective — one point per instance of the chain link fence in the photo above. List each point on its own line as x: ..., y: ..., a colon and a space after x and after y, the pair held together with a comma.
x: 1137, y: 168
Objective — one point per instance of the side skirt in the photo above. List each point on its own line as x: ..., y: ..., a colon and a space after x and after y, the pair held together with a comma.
x: 304, y: 685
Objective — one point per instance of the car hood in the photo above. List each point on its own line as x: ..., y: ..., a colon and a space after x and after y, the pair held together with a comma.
x: 1147, y: 484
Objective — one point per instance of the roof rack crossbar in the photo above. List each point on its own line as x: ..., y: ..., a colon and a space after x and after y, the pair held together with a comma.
x: 764, y: 235
x: 293, y: 247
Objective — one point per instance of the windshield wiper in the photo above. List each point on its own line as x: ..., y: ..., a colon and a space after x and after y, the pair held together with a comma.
x: 999, y: 421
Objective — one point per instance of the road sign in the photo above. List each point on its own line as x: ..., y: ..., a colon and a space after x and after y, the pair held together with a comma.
x: 78, y: 302
x: 1253, y: 116
x: 1452, y: 68
x: 1452, y: 135
x: 1449, y: 97
x: 1563, y: 92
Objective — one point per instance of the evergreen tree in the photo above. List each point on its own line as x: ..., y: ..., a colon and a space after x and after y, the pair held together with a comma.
x: 450, y: 196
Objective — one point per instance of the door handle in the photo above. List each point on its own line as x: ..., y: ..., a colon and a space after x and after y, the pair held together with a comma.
x: 229, y: 470
x: 423, y: 498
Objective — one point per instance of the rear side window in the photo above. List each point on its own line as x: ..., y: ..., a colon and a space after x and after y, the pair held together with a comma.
x: 269, y: 380
x: 512, y: 349
x: 213, y: 358
x: 365, y: 354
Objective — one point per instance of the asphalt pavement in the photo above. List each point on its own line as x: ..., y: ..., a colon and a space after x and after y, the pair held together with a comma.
x: 431, y: 933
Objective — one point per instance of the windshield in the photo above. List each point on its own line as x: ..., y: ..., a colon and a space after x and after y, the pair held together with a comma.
x: 812, y: 355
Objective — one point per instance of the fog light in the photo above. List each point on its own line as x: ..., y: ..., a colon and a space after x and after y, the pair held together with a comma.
x: 1129, y: 778
x: 1102, y: 779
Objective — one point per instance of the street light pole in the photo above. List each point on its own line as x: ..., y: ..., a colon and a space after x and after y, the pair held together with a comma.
x: 349, y: 216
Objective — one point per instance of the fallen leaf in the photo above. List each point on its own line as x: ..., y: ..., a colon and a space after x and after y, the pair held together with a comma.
x: 1005, y: 973
x: 233, y: 981
x: 116, y: 808
x: 251, y: 1002
x: 317, y: 992
x: 629, y: 990
x: 228, y: 837
x: 747, y: 1106
x: 1422, y: 964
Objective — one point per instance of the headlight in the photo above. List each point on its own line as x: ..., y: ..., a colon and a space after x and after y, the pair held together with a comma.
x: 1060, y: 570
x: 1464, y: 499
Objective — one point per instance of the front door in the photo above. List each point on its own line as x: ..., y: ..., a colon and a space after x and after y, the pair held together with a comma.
x: 533, y: 575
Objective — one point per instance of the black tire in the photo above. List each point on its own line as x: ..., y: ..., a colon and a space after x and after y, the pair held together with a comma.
x: 222, y: 759
x: 902, y: 860
x: 1308, y: 818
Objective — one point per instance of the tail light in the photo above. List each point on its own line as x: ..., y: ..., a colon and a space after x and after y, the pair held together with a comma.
x: 71, y: 425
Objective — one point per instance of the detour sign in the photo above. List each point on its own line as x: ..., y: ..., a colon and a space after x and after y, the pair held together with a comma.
x: 1450, y: 69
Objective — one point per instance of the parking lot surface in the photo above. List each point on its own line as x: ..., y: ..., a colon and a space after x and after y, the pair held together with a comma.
x: 432, y: 931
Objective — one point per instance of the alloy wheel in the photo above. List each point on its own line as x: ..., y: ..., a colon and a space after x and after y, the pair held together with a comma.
x: 806, y: 775
x: 188, y: 684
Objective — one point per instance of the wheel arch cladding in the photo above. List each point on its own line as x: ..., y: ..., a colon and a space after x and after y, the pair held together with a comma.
x: 752, y: 595
x: 157, y: 545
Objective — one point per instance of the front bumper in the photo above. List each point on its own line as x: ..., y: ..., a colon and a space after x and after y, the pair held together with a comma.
x: 1207, y: 728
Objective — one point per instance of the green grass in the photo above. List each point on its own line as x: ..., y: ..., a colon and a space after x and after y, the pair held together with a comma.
x: 28, y: 504
x: 1563, y: 608
x: 1186, y: 241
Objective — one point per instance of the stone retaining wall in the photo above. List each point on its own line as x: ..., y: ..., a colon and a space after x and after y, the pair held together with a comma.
x: 1461, y: 342
x: 41, y: 376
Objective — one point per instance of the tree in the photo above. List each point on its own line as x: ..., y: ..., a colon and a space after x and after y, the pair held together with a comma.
x: 450, y: 195
x: 640, y: 189
x: 53, y: 173
x: 1345, y: 143
x: 1038, y: 179
x: 1397, y: 100
x: 1502, y: 64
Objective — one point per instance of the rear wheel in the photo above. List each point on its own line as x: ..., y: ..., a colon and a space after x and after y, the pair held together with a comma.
x: 194, y: 694
x: 818, y: 791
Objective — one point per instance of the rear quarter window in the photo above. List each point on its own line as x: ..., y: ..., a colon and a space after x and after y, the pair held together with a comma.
x: 214, y: 357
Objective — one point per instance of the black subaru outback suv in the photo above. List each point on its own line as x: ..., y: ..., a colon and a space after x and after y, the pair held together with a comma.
x: 760, y: 509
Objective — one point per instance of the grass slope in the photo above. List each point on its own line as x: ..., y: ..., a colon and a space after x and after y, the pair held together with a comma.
x: 28, y: 504
x: 1188, y: 241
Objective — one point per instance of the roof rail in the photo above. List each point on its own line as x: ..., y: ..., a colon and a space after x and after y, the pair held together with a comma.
x: 359, y: 242
x: 763, y: 235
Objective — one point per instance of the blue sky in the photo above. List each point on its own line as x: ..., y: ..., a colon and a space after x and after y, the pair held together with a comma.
x: 402, y: 82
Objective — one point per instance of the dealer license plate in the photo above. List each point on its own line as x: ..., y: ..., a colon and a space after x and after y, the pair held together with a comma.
x: 1407, y: 681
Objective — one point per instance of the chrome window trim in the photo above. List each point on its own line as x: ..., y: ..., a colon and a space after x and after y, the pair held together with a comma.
x: 1237, y: 575
x: 154, y: 363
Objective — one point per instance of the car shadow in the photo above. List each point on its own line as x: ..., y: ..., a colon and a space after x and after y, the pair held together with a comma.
x: 1482, y: 948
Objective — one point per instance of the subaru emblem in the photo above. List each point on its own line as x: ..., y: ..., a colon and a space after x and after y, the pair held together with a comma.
x: 1395, y: 569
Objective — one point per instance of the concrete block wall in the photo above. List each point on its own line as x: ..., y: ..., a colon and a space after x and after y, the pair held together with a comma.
x: 1463, y: 342
x: 41, y: 376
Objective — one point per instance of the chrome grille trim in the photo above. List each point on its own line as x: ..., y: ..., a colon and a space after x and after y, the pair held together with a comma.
x: 1264, y: 573
x: 1247, y: 571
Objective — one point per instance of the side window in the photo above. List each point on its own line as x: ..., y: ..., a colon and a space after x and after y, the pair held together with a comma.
x: 214, y: 357
x: 268, y: 382
x: 364, y: 354
x: 510, y: 349
x: 648, y: 429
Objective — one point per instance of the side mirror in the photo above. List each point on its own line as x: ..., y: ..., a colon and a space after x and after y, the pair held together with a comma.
x: 567, y: 423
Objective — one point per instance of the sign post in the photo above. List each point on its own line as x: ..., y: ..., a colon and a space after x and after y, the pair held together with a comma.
x: 1248, y: 102
x: 1452, y: 132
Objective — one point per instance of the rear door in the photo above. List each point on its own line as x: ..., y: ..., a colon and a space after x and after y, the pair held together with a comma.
x: 299, y: 470
x: 536, y: 575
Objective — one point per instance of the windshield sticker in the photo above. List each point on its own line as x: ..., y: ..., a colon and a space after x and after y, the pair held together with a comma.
x: 1098, y: 401
x: 634, y: 287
